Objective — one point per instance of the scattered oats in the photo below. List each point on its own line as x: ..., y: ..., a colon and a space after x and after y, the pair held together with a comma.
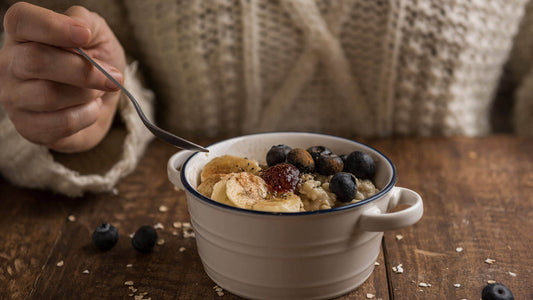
x: 472, y: 155
x: 370, y: 296
x: 218, y: 289
x: 72, y: 218
x: 457, y: 285
x: 174, y: 233
x: 398, y: 269
x: 512, y: 274
x: 176, y: 224
x: 181, y: 249
x: 129, y: 265
x: 186, y: 225
x: 131, y: 235
x: 139, y: 297
x: 376, y: 264
x: 60, y: 263
x: 159, y: 226
x: 114, y: 191
x: 85, y: 272
x: 490, y: 261
x: 163, y: 208
x: 133, y: 289
x: 160, y: 242
x: 128, y: 282
x: 131, y: 295
x: 423, y: 284
x: 491, y: 281
x: 459, y: 249
x: 399, y: 237
x: 177, y: 189
x: 188, y: 231
x: 143, y: 293
x: 220, y: 294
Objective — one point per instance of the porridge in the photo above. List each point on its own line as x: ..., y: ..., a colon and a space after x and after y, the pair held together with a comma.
x: 292, y: 180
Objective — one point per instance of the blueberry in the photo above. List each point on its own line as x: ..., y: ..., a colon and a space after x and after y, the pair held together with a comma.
x: 343, y: 186
x: 361, y: 165
x: 315, y: 151
x: 496, y: 291
x: 301, y: 159
x: 144, y: 239
x: 343, y: 157
x: 329, y: 164
x: 277, y: 154
x: 105, y: 236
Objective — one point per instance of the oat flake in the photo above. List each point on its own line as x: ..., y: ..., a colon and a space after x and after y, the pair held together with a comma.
x: 398, y: 269
x: 490, y: 261
x: 160, y: 242
x: 85, y: 272
x: 72, y: 218
x: 370, y: 296
x: 128, y: 282
x: 163, y: 208
x: 181, y: 249
x: 459, y: 249
x: 399, y: 237
x: 423, y: 284
x: 60, y: 263
x: 176, y: 224
x: 491, y: 281
x: 129, y: 265
x: 376, y: 264
x: 457, y: 285
x: 512, y: 274
x: 159, y: 226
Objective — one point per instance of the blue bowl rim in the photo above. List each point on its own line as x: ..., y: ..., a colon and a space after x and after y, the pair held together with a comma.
x: 209, y: 201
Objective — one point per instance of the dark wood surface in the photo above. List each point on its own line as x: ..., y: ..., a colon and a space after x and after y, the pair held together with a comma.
x: 478, y: 196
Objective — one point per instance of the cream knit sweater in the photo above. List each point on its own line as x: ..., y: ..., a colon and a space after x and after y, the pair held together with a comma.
x: 346, y: 67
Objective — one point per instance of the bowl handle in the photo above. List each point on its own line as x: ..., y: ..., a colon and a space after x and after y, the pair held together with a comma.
x: 374, y: 220
x: 174, y: 167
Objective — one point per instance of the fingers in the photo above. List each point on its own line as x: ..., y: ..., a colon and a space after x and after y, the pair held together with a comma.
x: 48, y: 96
x: 48, y: 127
x: 38, y: 61
x: 26, y: 22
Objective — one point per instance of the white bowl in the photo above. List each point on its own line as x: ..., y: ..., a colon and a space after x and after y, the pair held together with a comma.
x: 305, y: 255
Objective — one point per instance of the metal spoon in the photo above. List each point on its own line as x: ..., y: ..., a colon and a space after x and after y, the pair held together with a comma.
x: 158, y: 132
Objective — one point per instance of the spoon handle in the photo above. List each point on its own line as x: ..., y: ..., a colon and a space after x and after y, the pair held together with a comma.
x: 158, y: 132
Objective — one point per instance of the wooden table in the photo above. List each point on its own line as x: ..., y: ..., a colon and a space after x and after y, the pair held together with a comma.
x: 478, y: 198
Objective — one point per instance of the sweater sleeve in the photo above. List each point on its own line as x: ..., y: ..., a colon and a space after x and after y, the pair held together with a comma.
x: 521, y: 69
x: 30, y: 165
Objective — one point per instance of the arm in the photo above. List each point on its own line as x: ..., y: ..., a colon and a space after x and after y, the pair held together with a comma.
x: 30, y: 162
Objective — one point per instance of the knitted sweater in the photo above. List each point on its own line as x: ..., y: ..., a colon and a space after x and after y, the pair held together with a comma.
x: 348, y: 67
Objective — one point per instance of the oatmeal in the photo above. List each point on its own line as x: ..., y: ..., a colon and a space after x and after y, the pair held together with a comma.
x: 293, y: 180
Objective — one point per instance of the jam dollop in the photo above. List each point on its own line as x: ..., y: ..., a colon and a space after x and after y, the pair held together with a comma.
x: 282, y: 178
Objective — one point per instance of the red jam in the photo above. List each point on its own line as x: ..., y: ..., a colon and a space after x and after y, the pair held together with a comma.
x: 282, y: 178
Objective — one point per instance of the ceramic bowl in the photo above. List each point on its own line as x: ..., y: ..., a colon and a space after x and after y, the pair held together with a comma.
x: 305, y: 255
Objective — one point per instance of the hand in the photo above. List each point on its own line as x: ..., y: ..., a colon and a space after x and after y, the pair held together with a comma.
x: 53, y: 96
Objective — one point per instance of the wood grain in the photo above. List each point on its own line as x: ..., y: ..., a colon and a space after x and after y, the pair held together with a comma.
x: 477, y: 195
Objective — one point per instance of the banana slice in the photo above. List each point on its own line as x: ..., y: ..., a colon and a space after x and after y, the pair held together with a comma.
x: 245, y: 189
x: 229, y: 164
x: 287, y: 202
x: 219, y: 191
x: 206, y: 187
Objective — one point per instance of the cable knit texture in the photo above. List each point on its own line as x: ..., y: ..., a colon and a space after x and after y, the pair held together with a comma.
x: 348, y: 67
